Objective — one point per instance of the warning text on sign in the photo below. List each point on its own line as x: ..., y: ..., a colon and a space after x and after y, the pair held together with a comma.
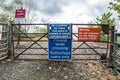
x: 60, y: 49
x: 59, y: 31
x: 88, y: 34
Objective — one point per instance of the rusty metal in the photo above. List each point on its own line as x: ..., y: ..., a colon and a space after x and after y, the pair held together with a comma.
x: 93, y: 49
x: 78, y: 47
x: 31, y: 46
x: 47, y: 59
x: 34, y: 41
x: 30, y: 39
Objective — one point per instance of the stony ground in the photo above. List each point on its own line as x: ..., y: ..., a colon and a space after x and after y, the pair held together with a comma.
x: 54, y: 70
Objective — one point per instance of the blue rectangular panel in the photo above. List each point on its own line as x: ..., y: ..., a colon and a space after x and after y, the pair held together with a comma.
x: 59, y: 31
x: 60, y: 49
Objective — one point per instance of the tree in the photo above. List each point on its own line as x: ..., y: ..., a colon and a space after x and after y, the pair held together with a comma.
x: 115, y: 6
x: 105, y: 18
x: 30, y: 11
x: 8, y: 8
x: 30, y: 14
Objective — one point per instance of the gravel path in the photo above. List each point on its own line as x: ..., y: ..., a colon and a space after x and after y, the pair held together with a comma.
x: 53, y: 70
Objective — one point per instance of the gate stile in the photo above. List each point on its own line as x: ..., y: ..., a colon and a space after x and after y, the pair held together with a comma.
x: 80, y: 48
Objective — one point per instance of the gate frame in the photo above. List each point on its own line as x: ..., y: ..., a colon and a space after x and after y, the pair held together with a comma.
x: 109, y: 42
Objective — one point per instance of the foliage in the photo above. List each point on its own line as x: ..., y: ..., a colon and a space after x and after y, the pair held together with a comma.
x: 8, y: 8
x: 115, y: 6
x: 32, y: 35
x: 106, y: 18
x: 30, y: 12
x: 3, y: 17
x: 103, y: 37
x: 40, y: 29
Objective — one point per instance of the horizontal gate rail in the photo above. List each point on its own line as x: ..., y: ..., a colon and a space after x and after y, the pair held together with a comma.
x: 33, y: 48
x: 89, y: 48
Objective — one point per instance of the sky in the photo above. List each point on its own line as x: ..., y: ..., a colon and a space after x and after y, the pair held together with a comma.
x: 69, y: 11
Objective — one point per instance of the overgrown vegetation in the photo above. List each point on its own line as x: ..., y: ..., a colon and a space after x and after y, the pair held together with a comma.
x: 108, y: 18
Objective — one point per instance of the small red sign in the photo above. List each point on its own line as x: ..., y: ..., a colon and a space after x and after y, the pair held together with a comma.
x: 88, y: 34
x: 20, y: 13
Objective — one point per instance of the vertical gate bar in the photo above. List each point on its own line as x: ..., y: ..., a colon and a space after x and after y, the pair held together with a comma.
x: 12, y: 40
x: 108, y: 39
x: 71, y: 26
x: 47, y: 30
x: 11, y: 43
x: 7, y: 32
x: 9, y: 49
x: 111, y: 43
x: 18, y: 41
x: 9, y: 54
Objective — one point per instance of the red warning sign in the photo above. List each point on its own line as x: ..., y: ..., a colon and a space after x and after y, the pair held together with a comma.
x: 20, y: 13
x: 88, y: 34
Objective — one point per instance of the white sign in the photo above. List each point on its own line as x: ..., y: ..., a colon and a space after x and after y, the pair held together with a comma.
x: 0, y: 32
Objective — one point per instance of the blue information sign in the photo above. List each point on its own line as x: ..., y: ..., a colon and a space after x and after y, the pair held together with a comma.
x: 59, y: 31
x: 60, y: 49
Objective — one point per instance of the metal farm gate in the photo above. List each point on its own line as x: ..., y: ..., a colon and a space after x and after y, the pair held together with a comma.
x: 4, y: 48
x: 30, y: 42
x: 116, y: 60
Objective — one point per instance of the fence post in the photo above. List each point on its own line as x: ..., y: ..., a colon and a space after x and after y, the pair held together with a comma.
x: 111, y: 44
x: 10, y: 42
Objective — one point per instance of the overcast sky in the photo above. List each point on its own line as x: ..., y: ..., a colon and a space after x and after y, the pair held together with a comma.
x: 70, y: 11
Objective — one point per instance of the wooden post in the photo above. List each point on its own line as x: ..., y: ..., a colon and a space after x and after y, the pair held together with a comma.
x: 112, y: 44
x: 10, y: 42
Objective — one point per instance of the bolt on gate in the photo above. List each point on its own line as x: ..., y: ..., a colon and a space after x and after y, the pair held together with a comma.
x: 30, y: 41
x: 4, y: 40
